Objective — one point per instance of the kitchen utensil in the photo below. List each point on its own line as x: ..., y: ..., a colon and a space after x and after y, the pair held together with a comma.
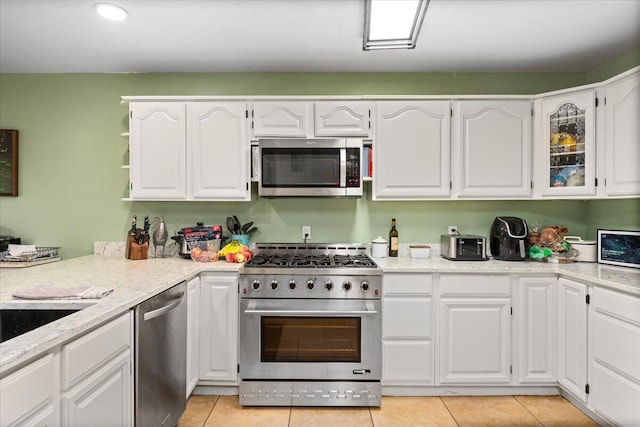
x: 231, y: 225
x: 379, y: 247
x: 588, y: 249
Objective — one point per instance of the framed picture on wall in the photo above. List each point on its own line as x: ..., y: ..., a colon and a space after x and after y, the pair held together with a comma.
x: 8, y: 162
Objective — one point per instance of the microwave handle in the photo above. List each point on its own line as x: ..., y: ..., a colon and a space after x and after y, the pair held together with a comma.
x: 343, y: 167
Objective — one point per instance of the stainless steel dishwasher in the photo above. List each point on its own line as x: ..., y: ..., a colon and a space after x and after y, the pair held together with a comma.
x: 161, y: 358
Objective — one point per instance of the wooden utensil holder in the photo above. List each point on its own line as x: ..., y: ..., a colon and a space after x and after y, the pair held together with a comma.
x: 135, y: 251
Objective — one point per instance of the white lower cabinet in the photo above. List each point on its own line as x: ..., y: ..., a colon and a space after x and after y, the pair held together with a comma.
x: 474, y: 331
x: 407, y: 329
x: 219, y: 328
x: 97, y: 378
x: 29, y: 396
x: 572, y: 337
x: 193, y: 329
x: 536, y: 315
x: 615, y: 357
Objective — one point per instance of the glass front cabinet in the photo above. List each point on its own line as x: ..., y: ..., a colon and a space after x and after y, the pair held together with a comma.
x: 565, y: 154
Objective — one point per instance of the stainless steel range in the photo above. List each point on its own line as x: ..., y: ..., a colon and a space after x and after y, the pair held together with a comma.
x: 310, y: 326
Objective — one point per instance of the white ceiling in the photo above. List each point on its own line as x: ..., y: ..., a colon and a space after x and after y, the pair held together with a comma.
x: 60, y: 36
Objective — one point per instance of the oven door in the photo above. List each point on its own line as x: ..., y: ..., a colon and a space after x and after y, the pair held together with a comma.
x: 310, y: 339
x: 310, y: 167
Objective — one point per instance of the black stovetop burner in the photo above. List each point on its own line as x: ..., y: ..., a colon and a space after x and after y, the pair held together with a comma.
x: 310, y: 261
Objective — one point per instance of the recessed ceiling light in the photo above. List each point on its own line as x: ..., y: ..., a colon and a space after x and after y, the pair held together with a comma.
x: 111, y: 11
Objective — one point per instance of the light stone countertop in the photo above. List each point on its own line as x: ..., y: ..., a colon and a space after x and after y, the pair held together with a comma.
x: 624, y: 279
x: 137, y: 281
x: 132, y: 282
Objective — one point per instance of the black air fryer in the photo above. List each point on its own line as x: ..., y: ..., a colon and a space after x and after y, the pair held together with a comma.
x: 508, y: 239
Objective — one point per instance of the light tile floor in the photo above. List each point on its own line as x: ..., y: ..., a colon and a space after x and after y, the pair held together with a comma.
x: 461, y: 411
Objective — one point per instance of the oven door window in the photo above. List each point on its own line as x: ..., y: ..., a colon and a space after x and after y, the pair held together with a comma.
x: 310, y: 339
x: 300, y: 167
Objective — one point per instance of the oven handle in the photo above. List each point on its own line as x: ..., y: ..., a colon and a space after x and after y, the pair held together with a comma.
x: 312, y: 312
x: 369, y: 310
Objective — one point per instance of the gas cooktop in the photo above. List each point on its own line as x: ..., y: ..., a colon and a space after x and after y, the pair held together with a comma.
x: 281, y: 256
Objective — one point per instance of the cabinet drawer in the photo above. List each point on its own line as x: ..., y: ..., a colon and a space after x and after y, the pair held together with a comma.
x: 616, y: 343
x: 408, y: 317
x: 614, y: 302
x: 466, y: 284
x: 407, y: 362
x: 403, y: 284
x: 95, y: 348
x: 22, y: 392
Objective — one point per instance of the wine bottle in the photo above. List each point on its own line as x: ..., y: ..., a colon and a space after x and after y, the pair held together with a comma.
x: 393, y: 239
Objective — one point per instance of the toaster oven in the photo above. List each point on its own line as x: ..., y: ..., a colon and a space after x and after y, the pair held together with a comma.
x: 463, y: 247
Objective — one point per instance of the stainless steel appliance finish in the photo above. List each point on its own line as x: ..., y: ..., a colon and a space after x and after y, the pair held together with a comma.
x: 161, y: 358
x: 310, y: 167
x: 461, y: 247
x: 310, y: 326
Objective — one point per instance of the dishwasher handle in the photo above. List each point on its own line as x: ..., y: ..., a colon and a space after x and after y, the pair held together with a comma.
x: 164, y: 309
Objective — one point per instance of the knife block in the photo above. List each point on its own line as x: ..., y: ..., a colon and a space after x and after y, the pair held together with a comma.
x: 134, y: 251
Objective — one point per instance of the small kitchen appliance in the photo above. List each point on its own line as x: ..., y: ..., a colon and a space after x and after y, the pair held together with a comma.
x: 310, y: 167
x: 508, y: 240
x: 619, y: 247
x: 310, y: 326
x: 461, y: 247
x: 186, y: 237
x: 587, y: 249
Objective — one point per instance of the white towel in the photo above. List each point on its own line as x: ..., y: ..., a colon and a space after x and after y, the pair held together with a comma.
x: 93, y: 292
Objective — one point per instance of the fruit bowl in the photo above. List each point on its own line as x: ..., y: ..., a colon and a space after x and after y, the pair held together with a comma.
x: 204, y: 256
x: 200, y: 252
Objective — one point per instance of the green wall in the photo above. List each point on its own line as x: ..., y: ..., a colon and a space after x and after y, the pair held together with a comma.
x: 71, y: 183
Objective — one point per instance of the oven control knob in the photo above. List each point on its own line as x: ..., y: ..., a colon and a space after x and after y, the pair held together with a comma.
x: 310, y: 284
x: 364, y: 285
x: 346, y: 285
x: 274, y: 284
x: 328, y: 285
x: 292, y: 284
x: 255, y: 285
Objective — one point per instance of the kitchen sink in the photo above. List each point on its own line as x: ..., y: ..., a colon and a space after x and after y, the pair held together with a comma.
x: 15, y: 322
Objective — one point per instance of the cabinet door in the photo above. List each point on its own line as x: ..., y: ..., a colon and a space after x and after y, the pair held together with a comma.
x: 572, y: 337
x: 622, y: 144
x: 343, y: 118
x: 30, y: 394
x: 614, y: 336
x: 193, y: 322
x: 275, y: 119
x: 492, y: 148
x: 102, y: 399
x: 536, y: 314
x: 158, y: 151
x: 567, y: 142
x: 218, y: 151
x: 219, y: 328
x: 474, y: 341
x: 411, y: 150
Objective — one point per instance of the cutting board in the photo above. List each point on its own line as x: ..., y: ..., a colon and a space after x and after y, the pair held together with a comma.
x: 22, y: 264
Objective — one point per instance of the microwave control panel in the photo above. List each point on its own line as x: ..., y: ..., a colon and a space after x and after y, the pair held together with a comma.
x: 353, y: 167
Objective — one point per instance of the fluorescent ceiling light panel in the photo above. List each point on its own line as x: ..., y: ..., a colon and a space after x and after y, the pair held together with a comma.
x: 111, y: 11
x: 393, y: 24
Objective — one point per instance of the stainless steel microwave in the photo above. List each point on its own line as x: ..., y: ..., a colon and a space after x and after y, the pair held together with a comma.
x: 310, y: 167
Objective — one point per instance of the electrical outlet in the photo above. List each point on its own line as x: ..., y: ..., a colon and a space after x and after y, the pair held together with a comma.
x: 306, y: 232
x: 453, y: 229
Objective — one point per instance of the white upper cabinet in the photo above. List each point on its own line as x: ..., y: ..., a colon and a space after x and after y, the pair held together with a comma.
x: 342, y: 118
x: 305, y: 119
x: 282, y: 119
x: 158, y: 150
x: 492, y: 148
x: 622, y: 136
x: 565, y: 144
x: 411, y: 150
x: 218, y: 150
